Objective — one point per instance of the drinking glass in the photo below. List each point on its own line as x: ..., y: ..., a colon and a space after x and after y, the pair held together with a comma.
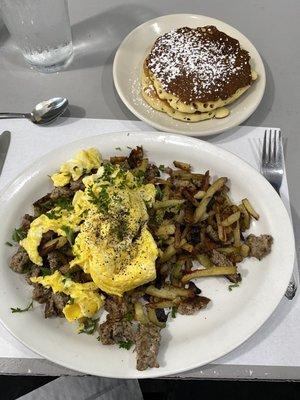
x: 41, y: 29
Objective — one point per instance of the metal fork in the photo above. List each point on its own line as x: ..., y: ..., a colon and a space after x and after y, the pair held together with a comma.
x: 272, y: 170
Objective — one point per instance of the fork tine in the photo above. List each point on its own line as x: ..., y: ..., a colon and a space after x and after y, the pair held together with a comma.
x: 264, y: 149
x: 279, y: 155
x: 274, y: 155
x: 270, y: 146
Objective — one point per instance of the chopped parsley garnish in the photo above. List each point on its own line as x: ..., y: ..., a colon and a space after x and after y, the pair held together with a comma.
x: 101, y: 200
x: 125, y: 344
x: 89, y: 326
x: 159, y: 193
x: 140, y: 176
x: 70, y: 234
x: 174, y: 312
x: 53, y: 214
x: 8, y: 244
x: 45, y: 206
x: 159, y: 242
x: 108, y: 170
x: 234, y: 285
x: 27, y: 268
x: 45, y: 271
x: 118, y: 148
x: 19, y: 234
x: 128, y: 316
x: 121, y: 173
x: 162, y: 168
x: 68, y: 275
x: 15, y: 310
x: 159, y: 216
x: 64, y: 203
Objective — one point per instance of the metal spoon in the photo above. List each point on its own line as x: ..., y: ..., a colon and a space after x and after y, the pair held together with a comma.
x: 44, y: 112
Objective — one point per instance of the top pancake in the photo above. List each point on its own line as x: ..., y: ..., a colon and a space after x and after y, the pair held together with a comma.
x: 199, y: 64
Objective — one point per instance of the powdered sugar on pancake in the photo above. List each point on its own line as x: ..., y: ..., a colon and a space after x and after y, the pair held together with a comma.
x: 200, y: 64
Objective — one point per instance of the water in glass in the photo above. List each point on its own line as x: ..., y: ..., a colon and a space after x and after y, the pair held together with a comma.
x: 41, y: 28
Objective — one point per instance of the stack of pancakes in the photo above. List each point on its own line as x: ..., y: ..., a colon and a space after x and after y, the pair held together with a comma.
x: 192, y: 74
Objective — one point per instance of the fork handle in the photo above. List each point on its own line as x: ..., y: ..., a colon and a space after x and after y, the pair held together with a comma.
x: 291, y: 289
x: 292, y: 286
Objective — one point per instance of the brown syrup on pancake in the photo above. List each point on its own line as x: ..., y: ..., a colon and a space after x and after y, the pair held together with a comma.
x: 201, y: 64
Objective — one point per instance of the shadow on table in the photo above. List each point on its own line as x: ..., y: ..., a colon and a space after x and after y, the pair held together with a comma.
x: 112, y: 99
x: 75, y: 111
x: 259, y: 116
x: 4, y: 34
x: 95, y: 38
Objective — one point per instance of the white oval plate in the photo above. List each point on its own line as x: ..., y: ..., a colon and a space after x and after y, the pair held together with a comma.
x: 189, y: 341
x: 127, y: 72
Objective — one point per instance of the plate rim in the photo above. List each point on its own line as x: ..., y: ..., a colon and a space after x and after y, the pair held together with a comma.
x: 171, y: 129
x: 218, y: 151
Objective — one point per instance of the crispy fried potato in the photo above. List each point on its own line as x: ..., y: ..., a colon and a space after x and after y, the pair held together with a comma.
x: 187, y: 175
x: 51, y: 245
x: 183, y: 166
x: 176, y: 274
x: 204, y: 260
x: 228, y: 250
x: 117, y: 159
x: 153, y: 318
x: 231, y: 219
x: 250, y: 209
x: 166, y: 230
x: 201, y: 209
x: 214, y: 271
x: 139, y: 314
x: 217, y: 185
x: 168, y: 253
x: 199, y: 195
x: 245, y: 218
x: 168, y: 203
x: 169, y: 292
x: 237, y: 235
x: 165, y: 303
x: 221, y: 230
x: 187, y: 247
x: 244, y: 250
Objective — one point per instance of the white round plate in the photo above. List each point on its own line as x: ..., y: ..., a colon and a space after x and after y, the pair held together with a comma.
x: 188, y: 341
x: 128, y: 66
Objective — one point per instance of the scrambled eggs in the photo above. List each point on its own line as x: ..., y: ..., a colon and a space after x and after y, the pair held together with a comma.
x: 85, y: 300
x: 83, y: 162
x: 112, y: 244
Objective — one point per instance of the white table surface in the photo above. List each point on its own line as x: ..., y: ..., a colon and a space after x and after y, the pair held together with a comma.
x: 262, y: 356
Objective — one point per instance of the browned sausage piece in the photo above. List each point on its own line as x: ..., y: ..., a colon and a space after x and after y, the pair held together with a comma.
x: 19, y: 261
x: 112, y: 331
x: 260, y: 246
x: 147, y: 345
x: 191, y: 306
